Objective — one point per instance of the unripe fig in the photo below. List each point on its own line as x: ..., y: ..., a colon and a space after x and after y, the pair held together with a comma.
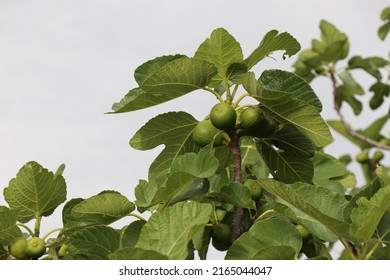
x: 18, y: 249
x: 255, y: 189
x: 362, y: 157
x: 377, y: 156
x: 205, y: 132
x: 36, y: 247
x: 223, y: 116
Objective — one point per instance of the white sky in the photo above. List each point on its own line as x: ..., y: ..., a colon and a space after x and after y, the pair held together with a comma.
x: 64, y: 63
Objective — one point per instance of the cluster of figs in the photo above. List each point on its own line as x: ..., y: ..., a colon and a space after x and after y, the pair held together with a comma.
x: 223, y: 118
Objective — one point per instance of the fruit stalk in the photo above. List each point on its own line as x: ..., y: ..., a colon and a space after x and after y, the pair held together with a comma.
x: 237, y: 228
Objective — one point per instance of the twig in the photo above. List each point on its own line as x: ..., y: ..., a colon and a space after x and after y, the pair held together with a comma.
x: 346, y: 125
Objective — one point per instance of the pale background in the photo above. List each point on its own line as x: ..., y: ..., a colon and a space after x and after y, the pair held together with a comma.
x: 64, y: 63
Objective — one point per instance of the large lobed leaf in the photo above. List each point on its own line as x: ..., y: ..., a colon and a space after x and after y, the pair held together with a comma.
x: 169, y: 232
x: 35, y: 192
x: 289, y: 110
x: 165, y: 79
x: 172, y: 129
x: 267, y: 239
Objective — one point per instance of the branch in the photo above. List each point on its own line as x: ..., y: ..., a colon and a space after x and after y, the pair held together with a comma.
x: 237, y: 227
x: 346, y: 125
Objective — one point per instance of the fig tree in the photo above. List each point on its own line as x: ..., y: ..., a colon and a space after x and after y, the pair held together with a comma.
x: 205, y: 132
x: 223, y: 116
x: 18, y: 249
x: 36, y: 247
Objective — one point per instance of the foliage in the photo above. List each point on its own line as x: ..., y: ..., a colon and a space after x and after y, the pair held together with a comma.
x: 254, y: 181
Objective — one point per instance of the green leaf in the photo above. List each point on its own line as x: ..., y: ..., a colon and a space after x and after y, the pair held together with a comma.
x: 68, y: 219
x: 201, y: 165
x: 287, y: 82
x: 103, y: 208
x: 9, y: 231
x: 321, y: 204
x: 328, y: 171
x: 334, y: 44
x: 292, y: 141
x: 169, y: 232
x: 169, y: 81
x: 369, y: 64
x: 265, y: 239
x: 312, y: 225
x: 286, y: 167
x: 222, y: 50
x: 172, y: 129
x: 130, y: 253
x: 144, y: 193
x: 273, y: 41
x: 178, y: 78
x: 96, y: 242
x: 4, y: 254
x: 286, y: 109
x: 146, y: 69
x: 384, y: 29
x: 368, y: 213
x: 347, y: 91
x: 373, y: 131
x: 180, y: 186
x: 238, y: 195
x: 380, y: 91
x: 130, y: 235
x: 308, y: 60
x: 35, y: 192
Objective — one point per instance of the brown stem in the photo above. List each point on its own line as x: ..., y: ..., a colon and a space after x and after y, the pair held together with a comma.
x: 237, y: 227
x: 346, y: 125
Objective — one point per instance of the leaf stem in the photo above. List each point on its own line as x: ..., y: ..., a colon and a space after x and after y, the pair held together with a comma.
x: 37, y: 225
x: 216, y: 94
x: 139, y: 217
x: 27, y: 228
x: 228, y: 94
x: 240, y: 99
x: 270, y: 211
x: 234, y: 91
x: 50, y: 232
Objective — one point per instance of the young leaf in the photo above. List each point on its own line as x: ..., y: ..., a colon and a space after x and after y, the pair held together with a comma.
x: 265, y: 240
x: 172, y: 129
x: 67, y: 218
x: 347, y: 91
x: 368, y: 213
x: 273, y: 41
x: 130, y: 253
x: 321, y: 204
x: 222, y: 50
x: 334, y: 44
x: 96, y: 242
x: 369, y: 64
x: 283, y: 81
x: 104, y: 208
x: 169, y: 232
x: 35, y: 192
x: 298, y: 113
x: 238, y: 195
x: 9, y: 231
x: 286, y: 167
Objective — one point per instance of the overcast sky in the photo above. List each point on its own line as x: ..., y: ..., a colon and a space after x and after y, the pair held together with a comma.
x: 64, y: 63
